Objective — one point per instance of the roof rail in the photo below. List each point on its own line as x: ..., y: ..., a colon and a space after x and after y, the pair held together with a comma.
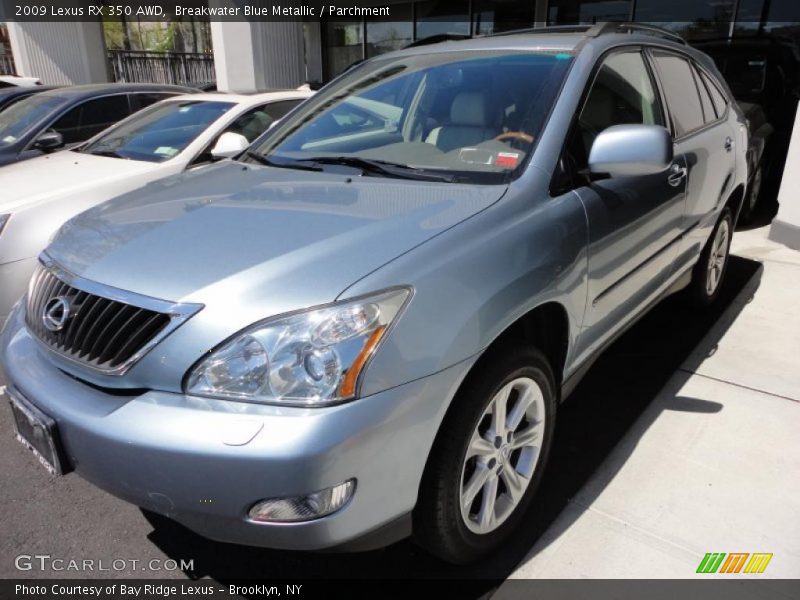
x: 546, y: 29
x: 599, y: 29
x: 618, y: 27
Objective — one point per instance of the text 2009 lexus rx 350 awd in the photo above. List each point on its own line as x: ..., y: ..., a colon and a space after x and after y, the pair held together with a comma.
x: 362, y: 329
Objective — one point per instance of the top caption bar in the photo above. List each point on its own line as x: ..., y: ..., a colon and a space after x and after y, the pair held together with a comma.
x: 209, y: 10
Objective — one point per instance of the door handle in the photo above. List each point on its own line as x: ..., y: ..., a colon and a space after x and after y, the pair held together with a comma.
x: 676, y: 175
x: 728, y: 144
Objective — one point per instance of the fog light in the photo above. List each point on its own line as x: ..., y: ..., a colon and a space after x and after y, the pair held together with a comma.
x: 303, y: 508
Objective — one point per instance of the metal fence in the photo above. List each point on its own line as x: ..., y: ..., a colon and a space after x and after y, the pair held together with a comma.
x: 162, y: 67
x: 7, y: 66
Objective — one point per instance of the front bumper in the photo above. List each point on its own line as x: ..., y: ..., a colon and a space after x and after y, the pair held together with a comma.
x: 204, y: 462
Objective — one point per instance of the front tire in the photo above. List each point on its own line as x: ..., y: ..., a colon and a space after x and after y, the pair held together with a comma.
x: 489, y: 457
x: 713, y: 262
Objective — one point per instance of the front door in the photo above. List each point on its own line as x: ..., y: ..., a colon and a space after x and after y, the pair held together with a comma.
x: 634, y: 222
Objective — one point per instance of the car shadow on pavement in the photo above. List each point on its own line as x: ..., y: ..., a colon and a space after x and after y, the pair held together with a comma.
x: 613, y: 395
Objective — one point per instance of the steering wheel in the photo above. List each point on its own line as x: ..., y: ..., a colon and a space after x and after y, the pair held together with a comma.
x: 515, y: 135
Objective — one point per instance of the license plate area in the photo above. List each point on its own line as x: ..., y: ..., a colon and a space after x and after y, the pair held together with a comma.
x: 38, y: 433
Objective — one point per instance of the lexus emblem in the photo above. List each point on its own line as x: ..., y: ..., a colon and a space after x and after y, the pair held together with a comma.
x: 56, y: 313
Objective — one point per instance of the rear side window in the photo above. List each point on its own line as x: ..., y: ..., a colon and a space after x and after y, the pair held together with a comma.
x: 145, y: 99
x: 716, y: 96
x: 93, y: 116
x: 681, y: 92
x: 709, y: 113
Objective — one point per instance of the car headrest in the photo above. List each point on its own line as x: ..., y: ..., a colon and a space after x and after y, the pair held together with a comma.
x: 469, y: 108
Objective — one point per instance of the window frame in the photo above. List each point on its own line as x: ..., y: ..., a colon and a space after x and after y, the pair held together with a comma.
x: 642, y: 49
x: 708, y: 79
x: 694, y: 66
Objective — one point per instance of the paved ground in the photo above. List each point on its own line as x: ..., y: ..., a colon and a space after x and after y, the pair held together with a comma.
x: 681, y: 440
x: 713, y: 464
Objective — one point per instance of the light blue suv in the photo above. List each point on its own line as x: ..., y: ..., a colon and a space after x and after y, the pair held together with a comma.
x: 362, y: 329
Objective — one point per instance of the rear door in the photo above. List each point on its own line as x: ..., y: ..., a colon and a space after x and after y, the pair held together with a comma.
x: 704, y: 137
x: 634, y: 222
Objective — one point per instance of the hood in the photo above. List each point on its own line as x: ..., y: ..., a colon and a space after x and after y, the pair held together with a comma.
x: 60, y: 174
x: 253, y: 235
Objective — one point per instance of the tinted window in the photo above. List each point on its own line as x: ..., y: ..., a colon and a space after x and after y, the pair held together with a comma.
x: 621, y: 94
x: 256, y: 121
x: 145, y: 99
x: 19, y: 119
x: 709, y: 113
x: 91, y: 117
x: 681, y: 91
x: 160, y: 132
x: 716, y: 96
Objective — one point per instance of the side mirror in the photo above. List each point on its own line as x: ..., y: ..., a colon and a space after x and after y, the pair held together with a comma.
x: 229, y: 145
x: 631, y: 150
x: 48, y: 141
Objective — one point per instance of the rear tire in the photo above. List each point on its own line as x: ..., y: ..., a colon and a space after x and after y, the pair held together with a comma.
x: 489, y: 456
x: 753, y: 194
x: 709, y: 272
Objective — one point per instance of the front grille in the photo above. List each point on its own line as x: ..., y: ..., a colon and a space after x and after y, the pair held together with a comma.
x: 99, y: 332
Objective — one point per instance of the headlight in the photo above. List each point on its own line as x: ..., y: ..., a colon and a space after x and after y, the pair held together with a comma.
x: 309, y: 358
x: 3, y: 221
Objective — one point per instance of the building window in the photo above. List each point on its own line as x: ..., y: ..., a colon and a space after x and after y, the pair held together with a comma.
x: 693, y: 19
x: 385, y: 36
x: 588, y: 11
x: 345, y: 41
x: 494, y: 16
x: 442, y: 17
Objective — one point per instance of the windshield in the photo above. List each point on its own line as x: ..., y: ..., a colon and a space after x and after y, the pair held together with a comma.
x: 20, y: 118
x: 159, y: 132
x: 473, y: 116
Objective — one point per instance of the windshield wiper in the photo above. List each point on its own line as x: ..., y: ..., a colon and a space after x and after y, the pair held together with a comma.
x: 379, y: 167
x: 260, y: 158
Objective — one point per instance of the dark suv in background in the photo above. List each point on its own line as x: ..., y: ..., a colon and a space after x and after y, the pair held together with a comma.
x: 764, y: 76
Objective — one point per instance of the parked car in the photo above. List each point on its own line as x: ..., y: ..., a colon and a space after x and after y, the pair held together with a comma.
x: 363, y: 330
x: 11, y: 95
x: 65, y: 117
x: 16, y: 81
x: 763, y: 73
x: 166, y: 138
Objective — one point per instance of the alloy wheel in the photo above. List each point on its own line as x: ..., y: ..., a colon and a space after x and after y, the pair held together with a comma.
x: 717, y: 257
x: 502, y: 455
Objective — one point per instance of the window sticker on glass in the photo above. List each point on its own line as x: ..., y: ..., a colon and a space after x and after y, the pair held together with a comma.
x: 476, y: 156
x: 166, y: 150
x: 507, y: 159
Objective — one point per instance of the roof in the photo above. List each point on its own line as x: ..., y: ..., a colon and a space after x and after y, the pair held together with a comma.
x: 566, y: 38
x: 101, y: 89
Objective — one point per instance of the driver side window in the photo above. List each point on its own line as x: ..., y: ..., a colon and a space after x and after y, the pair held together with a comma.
x: 622, y: 93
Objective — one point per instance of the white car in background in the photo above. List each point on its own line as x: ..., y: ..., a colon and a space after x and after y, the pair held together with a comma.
x: 37, y: 196
x: 14, y: 80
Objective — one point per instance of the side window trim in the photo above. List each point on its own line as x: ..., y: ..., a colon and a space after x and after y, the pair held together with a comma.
x: 708, y: 80
x: 707, y: 119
